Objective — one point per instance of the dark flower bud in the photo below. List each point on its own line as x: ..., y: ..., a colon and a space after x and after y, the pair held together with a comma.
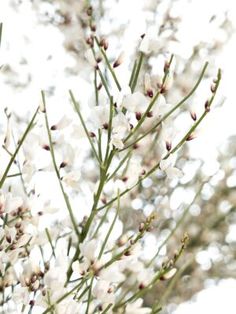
x: 46, y: 147
x: 190, y: 137
x: 168, y: 145
x: 104, y: 43
x: 207, y: 106
x: 150, y: 93
x: 138, y: 115
x: 141, y: 286
x: 53, y: 127
x: 193, y: 115
x: 213, y: 88
x: 89, y: 11
x: 105, y: 126
x: 63, y: 164
x: 93, y: 28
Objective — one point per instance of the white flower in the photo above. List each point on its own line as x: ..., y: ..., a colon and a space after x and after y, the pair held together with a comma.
x: 120, y: 125
x: 28, y: 170
x: 167, y: 133
x: 55, y: 277
x: 167, y: 165
x: 159, y: 108
x: 119, y: 60
x: 62, y: 123
x: 135, y: 102
x: 133, y: 173
x: 148, y: 85
x: 103, y: 291
x: 145, y: 276
x: 12, y: 203
x: 118, y: 99
x: 99, y: 116
x: 90, y: 249
x: 136, y: 308
x: 21, y: 295
x: 78, y: 131
x: 133, y: 265
x: 10, y: 234
x: 24, y: 239
x: 149, y: 42
x: 80, y: 269
x: 169, y: 81
x: 72, y: 179
x: 120, y: 128
x: 117, y: 142
x: 112, y: 273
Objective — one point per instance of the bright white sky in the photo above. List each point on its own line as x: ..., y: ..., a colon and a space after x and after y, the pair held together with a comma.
x: 220, y: 124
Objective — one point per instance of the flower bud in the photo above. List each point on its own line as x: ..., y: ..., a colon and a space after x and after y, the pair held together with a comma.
x: 168, y: 145
x: 63, y: 164
x: 122, y: 240
x: 104, y: 43
x: 119, y: 60
x: 207, y: 106
x: 138, y: 115
x: 46, y: 147
x: 169, y: 274
x: 213, y: 88
x: 141, y: 286
x: 190, y: 137
x: 89, y: 11
x: 193, y: 115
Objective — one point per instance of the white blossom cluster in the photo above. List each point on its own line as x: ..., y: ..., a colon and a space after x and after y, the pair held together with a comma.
x: 79, y: 256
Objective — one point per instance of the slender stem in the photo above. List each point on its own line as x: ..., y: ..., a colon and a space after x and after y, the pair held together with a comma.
x: 136, y: 75
x: 4, y: 176
x: 94, y: 210
x: 19, y: 168
x: 50, y: 241
x: 99, y: 140
x: 108, y: 64
x: 109, y: 129
x: 119, y: 165
x: 96, y: 87
x: 66, y: 198
x: 104, y: 83
x: 89, y: 295
x: 132, y: 73
x: 107, y: 309
x: 111, y: 228
x: 101, y: 222
x: 0, y: 33
x: 14, y: 175
x: 100, y: 144
x: 103, y: 79
x: 76, y: 106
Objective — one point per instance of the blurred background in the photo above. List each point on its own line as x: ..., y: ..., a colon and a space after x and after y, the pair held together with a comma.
x: 43, y: 47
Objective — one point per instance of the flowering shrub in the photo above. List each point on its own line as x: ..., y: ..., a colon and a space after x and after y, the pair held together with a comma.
x: 89, y: 254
